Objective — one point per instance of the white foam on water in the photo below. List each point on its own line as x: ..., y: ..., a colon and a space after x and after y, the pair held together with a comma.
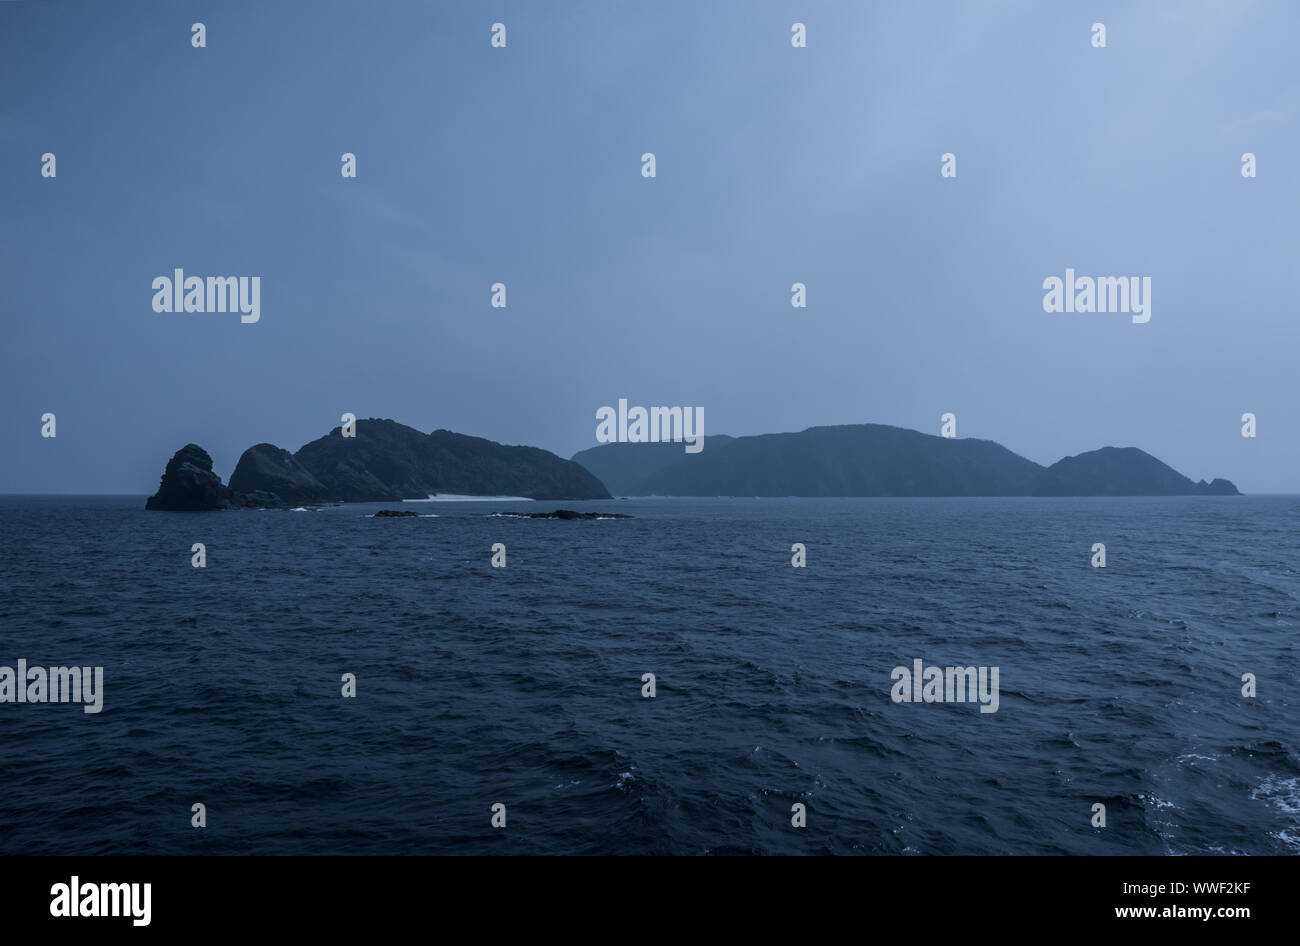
x: 1284, y: 794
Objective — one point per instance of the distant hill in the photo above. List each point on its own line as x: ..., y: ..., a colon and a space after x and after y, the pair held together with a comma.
x: 1122, y: 471
x: 626, y: 468
x: 878, y: 460
x: 385, y: 461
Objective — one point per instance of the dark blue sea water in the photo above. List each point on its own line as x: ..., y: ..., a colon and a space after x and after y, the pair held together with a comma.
x: 522, y: 685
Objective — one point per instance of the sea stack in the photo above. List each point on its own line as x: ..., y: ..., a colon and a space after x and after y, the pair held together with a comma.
x: 189, y: 485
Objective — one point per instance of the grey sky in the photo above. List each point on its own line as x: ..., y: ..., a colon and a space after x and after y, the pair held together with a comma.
x: 522, y: 165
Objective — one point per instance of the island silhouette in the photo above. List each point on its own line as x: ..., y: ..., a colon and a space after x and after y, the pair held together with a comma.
x: 386, y: 461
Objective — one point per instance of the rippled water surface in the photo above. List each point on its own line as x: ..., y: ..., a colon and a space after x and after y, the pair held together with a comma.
x: 522, y: 685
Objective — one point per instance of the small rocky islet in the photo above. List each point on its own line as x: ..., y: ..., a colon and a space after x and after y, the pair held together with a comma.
x: 556, y: 514
x: 562, y: 514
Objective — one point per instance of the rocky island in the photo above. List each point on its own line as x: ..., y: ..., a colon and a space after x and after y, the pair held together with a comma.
x: 390, y: 462
x: 385, y: 462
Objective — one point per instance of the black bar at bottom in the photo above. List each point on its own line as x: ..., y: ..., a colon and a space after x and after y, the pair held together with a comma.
x: 333, y: 896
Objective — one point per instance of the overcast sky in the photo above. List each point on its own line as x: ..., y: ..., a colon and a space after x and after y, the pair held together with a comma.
x: 522, y: 165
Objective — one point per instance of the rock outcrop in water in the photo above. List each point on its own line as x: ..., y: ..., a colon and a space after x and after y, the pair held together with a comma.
x: 563, y: 514
x: 385, y: 462
x: 877, y: 460
x: 189, y: 485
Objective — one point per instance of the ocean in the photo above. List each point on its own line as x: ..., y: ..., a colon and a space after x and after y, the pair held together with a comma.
x: 522, y: 686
